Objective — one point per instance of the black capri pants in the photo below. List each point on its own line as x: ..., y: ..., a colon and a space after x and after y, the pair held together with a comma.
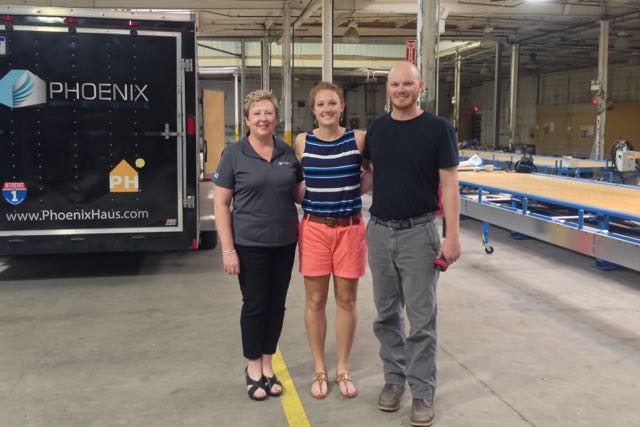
x: 264, y: 281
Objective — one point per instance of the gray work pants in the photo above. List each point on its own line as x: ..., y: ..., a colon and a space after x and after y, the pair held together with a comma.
x: 401, y: 263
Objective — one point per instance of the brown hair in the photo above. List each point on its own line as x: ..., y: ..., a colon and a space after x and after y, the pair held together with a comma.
x: 258, y: 95
x: 323, y: 86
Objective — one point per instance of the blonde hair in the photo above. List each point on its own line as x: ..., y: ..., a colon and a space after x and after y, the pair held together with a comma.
x: 256, y: 96
x: 323, y: 86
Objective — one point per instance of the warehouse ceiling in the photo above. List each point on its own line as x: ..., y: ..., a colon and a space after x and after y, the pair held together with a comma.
x: 557, y: 34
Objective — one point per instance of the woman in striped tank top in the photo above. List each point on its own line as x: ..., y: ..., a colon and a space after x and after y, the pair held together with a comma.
x: 332, y: 235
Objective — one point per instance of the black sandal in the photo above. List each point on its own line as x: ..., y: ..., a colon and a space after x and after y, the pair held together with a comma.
x: 255, y: 386
x: 270, y: 382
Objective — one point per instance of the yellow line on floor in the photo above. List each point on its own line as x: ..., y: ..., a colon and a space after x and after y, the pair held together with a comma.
x: 293, y: 409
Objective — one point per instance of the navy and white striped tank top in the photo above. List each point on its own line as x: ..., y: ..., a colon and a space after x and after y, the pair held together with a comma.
x: 332, y: 176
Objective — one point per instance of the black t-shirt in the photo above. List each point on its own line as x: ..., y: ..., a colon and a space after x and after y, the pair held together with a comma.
x: 406, y: 157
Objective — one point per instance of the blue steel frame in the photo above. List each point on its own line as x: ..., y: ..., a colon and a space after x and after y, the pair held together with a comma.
x: 559, y: 167
x: 530, y: 197
x: 520, y: 203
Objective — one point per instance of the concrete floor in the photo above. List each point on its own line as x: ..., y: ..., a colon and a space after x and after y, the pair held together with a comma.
x: 531, y: 336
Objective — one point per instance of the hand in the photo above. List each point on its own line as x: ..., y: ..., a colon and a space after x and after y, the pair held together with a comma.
x: 450, y: 250
x: 231, y: 263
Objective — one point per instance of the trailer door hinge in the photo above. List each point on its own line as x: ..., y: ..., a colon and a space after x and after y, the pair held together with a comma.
x: 189, y: 202
x: 187, y: 64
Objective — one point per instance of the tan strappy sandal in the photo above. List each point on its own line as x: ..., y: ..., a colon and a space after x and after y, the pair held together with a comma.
x: 320, y: 377
x: 345, y: 378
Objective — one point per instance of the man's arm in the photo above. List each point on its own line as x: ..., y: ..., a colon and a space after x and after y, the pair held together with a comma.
x: 450, y: 249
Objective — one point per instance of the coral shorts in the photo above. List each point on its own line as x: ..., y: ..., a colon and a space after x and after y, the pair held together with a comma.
x: 324, y: 250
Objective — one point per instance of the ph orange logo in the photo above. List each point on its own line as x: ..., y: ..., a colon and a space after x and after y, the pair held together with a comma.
x: 123, y: 179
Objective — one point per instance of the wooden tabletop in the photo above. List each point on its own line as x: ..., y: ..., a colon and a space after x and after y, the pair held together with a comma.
x: 593, y: 194
x: 567, y: 162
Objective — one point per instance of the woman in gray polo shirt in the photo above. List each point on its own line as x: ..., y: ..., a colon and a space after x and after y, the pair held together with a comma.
x: 261, y: 177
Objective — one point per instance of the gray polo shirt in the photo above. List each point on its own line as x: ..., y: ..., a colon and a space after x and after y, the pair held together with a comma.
x: 264, y: 213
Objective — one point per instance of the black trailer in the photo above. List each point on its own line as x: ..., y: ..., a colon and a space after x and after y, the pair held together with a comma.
x: 100, y: 133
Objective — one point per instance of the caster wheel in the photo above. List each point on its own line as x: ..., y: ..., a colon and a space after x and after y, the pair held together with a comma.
x: 488, y: 249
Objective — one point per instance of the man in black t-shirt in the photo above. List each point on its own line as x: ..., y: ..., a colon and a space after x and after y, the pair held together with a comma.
x: 412, y: 153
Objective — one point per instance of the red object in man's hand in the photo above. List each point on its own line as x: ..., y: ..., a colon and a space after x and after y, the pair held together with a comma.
x: 440, y: 264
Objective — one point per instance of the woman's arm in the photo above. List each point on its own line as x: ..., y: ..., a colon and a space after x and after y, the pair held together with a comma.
x: 298, y: 192
x: 300, y: 188
x: 222, y: 203
x: 298, y: 146
x: 366, y: 179
x: 360, y: 136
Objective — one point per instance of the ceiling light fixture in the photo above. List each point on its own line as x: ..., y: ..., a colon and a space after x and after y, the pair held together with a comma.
x: 484, y: 70
x: 533, y: 62
x: 488, y: 39
x: 351, y: 35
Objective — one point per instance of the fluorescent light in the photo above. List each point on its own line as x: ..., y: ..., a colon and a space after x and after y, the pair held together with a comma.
x: 208, y: 71
x: 181, y: 11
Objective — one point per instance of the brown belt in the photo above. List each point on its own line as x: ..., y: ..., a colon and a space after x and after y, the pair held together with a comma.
x: 335, y: 222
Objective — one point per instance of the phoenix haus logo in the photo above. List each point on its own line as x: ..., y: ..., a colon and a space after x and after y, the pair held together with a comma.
x: 22, y: 88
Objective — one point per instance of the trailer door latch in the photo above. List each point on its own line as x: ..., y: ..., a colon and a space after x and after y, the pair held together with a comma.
x: 166, y: 133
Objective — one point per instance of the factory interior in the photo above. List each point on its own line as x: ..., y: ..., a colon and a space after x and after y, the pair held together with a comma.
x: 115, y: 325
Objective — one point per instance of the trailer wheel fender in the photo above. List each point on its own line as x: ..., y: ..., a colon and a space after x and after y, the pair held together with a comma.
x: 208, y: 240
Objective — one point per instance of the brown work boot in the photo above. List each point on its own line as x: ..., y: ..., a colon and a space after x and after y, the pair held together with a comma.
x: 389, y: 399
x: 422, y: 413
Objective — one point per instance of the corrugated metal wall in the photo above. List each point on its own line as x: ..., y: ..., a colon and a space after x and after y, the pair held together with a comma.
x: 565, y: 88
